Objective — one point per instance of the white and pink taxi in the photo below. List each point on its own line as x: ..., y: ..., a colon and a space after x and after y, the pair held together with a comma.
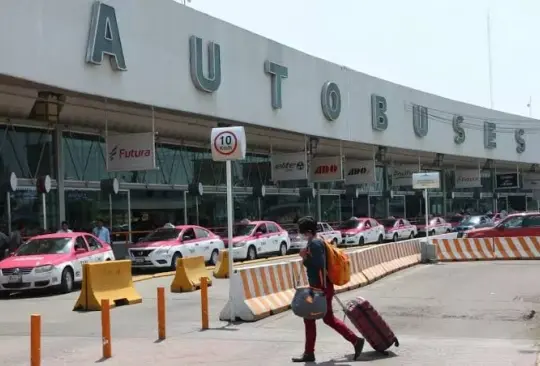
x: 252, y: 239
x: 361, y: 230
x: 437, y: 226
x: 396, y: 229
x: 51, y: 260
x: 164, y: 246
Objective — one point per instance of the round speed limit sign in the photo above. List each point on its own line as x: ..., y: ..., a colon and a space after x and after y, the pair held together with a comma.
x: 228, y: 143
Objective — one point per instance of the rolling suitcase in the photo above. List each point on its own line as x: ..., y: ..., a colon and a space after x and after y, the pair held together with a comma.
x: 370, y: 324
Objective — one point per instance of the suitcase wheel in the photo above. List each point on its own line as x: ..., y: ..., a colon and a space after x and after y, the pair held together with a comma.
x: 396, y: 343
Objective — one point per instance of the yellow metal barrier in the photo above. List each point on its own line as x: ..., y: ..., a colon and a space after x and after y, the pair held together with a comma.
x: 189, y: 272
x: 107, y: 280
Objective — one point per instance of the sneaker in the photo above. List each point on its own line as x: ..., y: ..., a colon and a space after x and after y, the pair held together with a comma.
x: 306, y: 357
x: 358, y: 347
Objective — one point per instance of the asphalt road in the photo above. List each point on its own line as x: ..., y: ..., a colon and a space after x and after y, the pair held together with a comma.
x: 447, y: 314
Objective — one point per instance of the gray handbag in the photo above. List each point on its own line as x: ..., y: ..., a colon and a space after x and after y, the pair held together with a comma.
x: 309, y: 302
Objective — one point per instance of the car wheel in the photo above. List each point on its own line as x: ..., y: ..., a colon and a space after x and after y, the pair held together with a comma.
x: 251, y: 253
x: 283, y: 249
x: 361, y: 241
x: 381, y: 239
x: 4, y: 294
x: 66, y: 285
x: 175, y: 258
x: 412, y: 235
x: 335, y: 242
x: 448, y: 231
x: 431, y: 233
x: 395, y: 238
x: 214, y: 257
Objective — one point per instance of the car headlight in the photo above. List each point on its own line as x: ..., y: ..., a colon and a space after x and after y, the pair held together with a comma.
x: 44, y: 269
x: 161, y: 251
x: 239, y: 244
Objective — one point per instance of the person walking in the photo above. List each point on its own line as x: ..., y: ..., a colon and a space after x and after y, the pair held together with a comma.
x: 315, y: 262
x: 102, y: 232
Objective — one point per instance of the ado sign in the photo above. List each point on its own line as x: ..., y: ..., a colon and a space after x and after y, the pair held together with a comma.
x: 228, y: 143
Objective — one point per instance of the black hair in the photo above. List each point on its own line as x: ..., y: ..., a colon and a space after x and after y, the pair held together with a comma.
x: 64, y: 223
x: 307, y: 224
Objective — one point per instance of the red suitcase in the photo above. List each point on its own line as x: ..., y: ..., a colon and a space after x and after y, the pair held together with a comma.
x: 370, y: 324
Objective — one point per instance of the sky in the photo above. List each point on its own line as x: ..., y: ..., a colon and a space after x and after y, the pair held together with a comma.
x: 438, y: 46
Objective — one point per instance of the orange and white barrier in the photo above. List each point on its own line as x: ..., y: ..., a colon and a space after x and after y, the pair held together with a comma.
x: 264, y: 290
x: 261, y: 291
x: 464, y: 249
x: 517, y: 248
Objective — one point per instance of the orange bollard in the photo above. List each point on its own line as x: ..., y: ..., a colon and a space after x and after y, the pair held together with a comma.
x: 106, y: 328
x: 204, y: 302
x: 161, y: 313
x: 35, y: 340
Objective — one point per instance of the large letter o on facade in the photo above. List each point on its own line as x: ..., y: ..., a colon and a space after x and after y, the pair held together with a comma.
x: 331, y: 101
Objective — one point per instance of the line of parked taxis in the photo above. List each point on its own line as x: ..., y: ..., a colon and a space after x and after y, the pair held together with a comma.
x: 55, y: 260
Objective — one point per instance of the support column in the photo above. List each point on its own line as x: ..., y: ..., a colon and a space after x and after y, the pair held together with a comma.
x: 386, y: 190
x: 443, y: 188
x: 60, y: 174
x: 492, y: 172
x: 319, y: 202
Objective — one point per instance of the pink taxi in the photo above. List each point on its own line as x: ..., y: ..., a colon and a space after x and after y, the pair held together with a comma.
x: 361, y: 230
x: 51, y: 260
x: 437, y: 226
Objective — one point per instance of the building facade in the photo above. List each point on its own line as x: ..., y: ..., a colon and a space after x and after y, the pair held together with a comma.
x: 93, y: 72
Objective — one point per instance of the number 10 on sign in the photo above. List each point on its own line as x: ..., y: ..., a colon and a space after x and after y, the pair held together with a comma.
x: 227, y: 144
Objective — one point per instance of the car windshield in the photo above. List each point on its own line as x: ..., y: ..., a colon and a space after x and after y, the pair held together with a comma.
x: 387, y: 222
x: 45, y: 246
x: 243, y: 230
x: 456, y: 219
x: 350, y: 224
x: 163, y: 234
x: 512, y: 222
x: 473, y: 220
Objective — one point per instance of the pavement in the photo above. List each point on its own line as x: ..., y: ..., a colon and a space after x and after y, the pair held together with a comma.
x: 475, y: 313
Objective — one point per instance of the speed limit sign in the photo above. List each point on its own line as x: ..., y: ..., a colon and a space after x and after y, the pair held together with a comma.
x: 228, y: 143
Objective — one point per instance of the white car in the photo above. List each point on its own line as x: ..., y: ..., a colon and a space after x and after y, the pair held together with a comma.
x: 360, y: 231
x: 51, y: 260
x: 326, y: 232
x: 437, y: 226
x: 398, y: 229
x: 253, y: 239
x: 164, y: 246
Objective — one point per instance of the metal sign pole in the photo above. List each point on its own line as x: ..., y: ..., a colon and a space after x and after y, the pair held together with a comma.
x: 427, y: 214
x: 44, y: 208
x: 230, y: 219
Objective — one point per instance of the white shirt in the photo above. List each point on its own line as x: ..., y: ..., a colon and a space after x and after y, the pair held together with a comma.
x: 64, y: 231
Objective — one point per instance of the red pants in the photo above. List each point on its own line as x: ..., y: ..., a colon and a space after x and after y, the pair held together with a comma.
x: 330, y: 320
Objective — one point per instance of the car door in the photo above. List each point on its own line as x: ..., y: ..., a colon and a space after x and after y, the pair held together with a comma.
x: 328, y: 232
x: 531, y: 226
x: 400, y: 228
x: 82, y: 255
x: 204, y: 242
x: 274, y: 238
x: 321, y: 232
x: 261, y: 238
x: 96, y: 249
x: 190, y: 245
x: 368, y: 232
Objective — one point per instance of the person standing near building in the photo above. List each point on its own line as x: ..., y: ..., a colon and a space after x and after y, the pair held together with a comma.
x: 65, y: 228
x: 314, y: 259
x: 102, y: 232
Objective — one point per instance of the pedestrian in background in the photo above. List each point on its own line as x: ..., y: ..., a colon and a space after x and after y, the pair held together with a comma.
x: 102, y: 232
x: 64, y: 228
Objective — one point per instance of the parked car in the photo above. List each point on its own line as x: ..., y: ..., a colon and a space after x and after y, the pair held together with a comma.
x: 252, y: 239
x: 360, y: 231
x: 396, y: 229
x: 456, y: 219
x: 523, y: 224
x: 473, y: 222
x: 164, y: 246
x: 51, y: 260
x: 437, y: 226
x: 325, y: 231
